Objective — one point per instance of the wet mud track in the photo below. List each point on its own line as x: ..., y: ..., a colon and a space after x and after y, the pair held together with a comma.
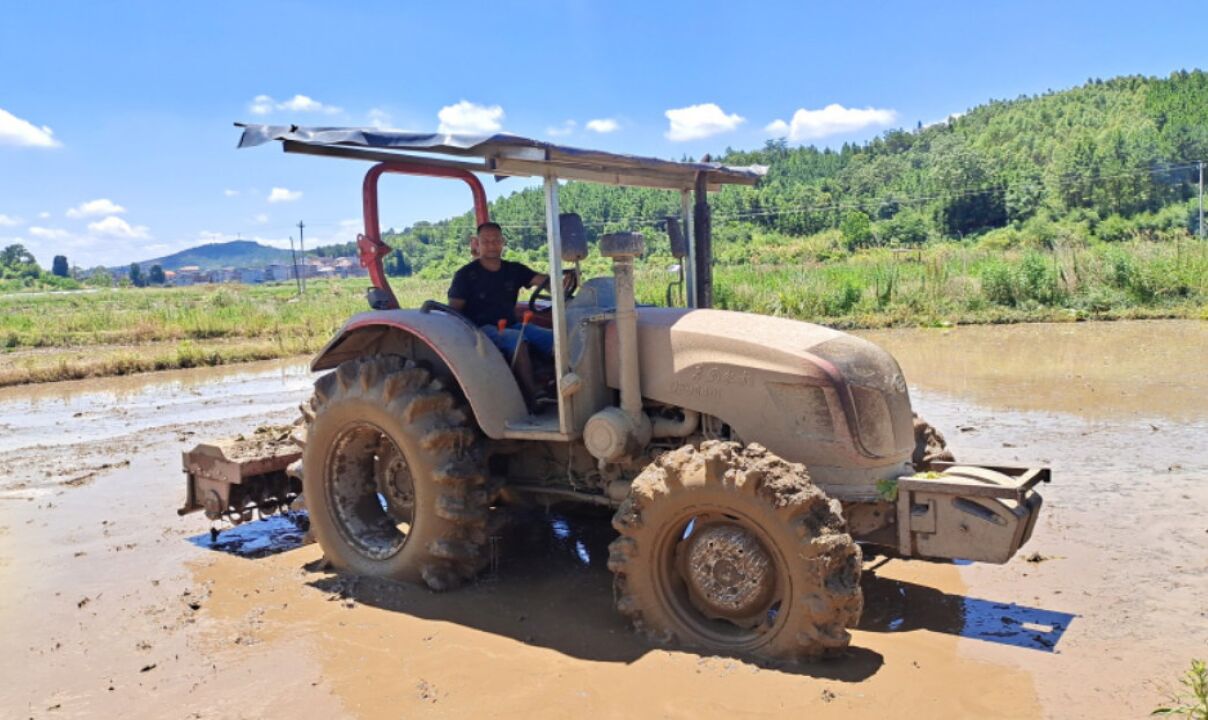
x: 112, y: 605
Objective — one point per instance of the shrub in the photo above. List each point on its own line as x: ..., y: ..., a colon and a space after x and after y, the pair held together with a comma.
x: 1114, y: 229
x: 997, y: 284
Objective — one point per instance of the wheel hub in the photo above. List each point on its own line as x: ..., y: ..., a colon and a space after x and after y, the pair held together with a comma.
x: 395, y: 482
x: 729, y: 573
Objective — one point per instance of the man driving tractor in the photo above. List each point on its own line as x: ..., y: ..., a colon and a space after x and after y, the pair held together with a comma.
x: 485, y: 291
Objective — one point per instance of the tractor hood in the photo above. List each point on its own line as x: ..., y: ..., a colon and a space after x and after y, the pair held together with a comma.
x: 808, y: 393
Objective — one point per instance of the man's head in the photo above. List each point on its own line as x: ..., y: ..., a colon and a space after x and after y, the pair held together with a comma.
x: 490, y: 241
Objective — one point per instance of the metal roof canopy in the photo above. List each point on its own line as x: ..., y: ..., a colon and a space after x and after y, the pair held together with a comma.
x: 502, y: 155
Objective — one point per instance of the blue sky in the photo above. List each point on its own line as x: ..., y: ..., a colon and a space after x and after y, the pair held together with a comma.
x: 116, y: 141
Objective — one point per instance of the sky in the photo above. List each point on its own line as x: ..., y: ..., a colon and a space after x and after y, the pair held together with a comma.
x: 117, y: 143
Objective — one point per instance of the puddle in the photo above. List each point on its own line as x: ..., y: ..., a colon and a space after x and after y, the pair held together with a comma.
x: 892, y: 605
x: 1102, y: 370
x: 259, y: 538
x: 57, y: 414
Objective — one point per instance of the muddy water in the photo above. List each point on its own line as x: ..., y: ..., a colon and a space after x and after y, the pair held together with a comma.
x: 110, y: 604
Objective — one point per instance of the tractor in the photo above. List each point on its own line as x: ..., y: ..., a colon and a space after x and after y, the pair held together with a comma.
x: 747, y: 459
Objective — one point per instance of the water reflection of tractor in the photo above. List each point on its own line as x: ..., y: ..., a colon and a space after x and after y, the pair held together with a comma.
x: 745, y: 456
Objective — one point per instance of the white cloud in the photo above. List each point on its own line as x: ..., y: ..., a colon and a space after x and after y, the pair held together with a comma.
x: 261, y: 218
x: 777, y: 127
x: 9, y: 220
x: 380, y: 119
x: 301, y: 103
x: 116, y: 227
x: 700, y: 121
x: 44, y: 214
x: 834, y: 119
x: 466, y: 117
x: 230, y: 193
x: 283, y: 195
x: 945, y: 121
x: 265, y: 104
x: 602, y: 125
x: 49, y: 233
x: 23, y: 133
x: 261, y: 105
x: 102, y: 206
x: 562, y: 130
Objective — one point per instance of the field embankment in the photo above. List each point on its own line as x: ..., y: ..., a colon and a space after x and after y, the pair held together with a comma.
x: 58, y: 336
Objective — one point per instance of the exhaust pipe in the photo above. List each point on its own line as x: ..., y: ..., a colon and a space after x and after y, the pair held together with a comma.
x: 611, y: 434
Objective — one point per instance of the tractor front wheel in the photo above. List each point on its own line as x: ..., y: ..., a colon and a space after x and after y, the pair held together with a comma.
x: 732, y: 549
x: 395, y: 476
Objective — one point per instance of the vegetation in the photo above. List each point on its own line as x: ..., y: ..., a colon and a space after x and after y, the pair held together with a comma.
x: 1193, y: 703
x: 115, y: 331
x: 1108, y: 161
x: 20, y: 271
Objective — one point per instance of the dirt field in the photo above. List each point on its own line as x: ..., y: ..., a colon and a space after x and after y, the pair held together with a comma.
x: 111, y: 605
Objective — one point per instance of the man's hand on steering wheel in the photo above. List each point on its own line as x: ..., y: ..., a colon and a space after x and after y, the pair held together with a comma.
x: 570, y: 283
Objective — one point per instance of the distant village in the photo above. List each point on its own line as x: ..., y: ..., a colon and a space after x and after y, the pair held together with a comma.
x: 307, y: 268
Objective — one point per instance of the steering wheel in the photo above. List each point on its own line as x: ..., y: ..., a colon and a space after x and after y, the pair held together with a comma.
x: 542, y: 292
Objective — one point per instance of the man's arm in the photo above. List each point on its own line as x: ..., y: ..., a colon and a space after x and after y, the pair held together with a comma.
x: 458, y: 292
x: 540, y: 278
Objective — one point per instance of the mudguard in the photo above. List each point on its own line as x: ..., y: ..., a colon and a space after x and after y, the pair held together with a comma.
x: 444, y: 340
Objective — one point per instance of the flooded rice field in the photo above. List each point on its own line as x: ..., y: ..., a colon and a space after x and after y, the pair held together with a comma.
x: 111, y: 604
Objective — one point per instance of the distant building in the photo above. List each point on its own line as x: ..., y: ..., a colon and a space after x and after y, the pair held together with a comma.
x: 250, y: 276
x: 278, y: 272
x: 349, y: 267
x: 186, y: 275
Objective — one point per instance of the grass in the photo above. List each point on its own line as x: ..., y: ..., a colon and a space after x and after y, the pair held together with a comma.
x: 58, y: 336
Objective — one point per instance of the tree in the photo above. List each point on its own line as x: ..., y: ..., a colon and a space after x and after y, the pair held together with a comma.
x: 396, y: 265
x: 155, y: 275
x: 856, y: 229
x: 14, y: 255
x: 59, y: 266
x: 136, y: 275
x: 17, y: 262
x: 100, y: 277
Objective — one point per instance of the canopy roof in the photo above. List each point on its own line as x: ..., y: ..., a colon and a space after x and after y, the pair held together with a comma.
x: 502, y: 155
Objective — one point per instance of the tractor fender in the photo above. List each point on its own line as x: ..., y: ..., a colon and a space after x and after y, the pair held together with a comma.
x: 447, y: 342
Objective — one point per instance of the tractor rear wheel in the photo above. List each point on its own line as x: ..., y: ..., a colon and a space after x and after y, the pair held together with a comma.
x: 733, y: 550
x: 394, y: 474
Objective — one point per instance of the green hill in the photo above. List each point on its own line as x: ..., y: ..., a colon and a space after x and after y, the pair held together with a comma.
x: 1110, y: 159
x: 237, y: 253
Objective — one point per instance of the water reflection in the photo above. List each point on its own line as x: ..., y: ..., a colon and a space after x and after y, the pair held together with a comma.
x: 260, y: 538
x: 898, y: 606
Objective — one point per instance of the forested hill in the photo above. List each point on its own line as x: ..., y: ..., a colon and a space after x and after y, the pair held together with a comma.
x: 1112, y: 158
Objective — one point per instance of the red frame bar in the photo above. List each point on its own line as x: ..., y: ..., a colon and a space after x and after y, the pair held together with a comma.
x: 370, y: 246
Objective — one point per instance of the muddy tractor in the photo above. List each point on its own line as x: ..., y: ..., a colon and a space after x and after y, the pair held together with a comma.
x: 746, y: 458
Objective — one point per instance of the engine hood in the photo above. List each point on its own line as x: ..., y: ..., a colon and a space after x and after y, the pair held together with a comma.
x: 806, y: 392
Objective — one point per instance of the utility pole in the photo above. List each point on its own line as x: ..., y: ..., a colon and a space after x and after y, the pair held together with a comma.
x: 297, y: 277
x: 302, y: 248
x: 1201, y: 226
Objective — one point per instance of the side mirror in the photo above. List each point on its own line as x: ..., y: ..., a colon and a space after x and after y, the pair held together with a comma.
x: 679, y: 246
x: 574, y: 237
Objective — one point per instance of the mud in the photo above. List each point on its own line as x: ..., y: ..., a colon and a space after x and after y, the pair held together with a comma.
x: 112, y: 605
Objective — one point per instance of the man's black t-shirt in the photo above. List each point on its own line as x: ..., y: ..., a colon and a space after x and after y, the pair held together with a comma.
x: 490, y: 296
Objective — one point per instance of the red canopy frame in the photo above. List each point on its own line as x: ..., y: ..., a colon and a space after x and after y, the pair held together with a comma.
x: 370, y: 246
